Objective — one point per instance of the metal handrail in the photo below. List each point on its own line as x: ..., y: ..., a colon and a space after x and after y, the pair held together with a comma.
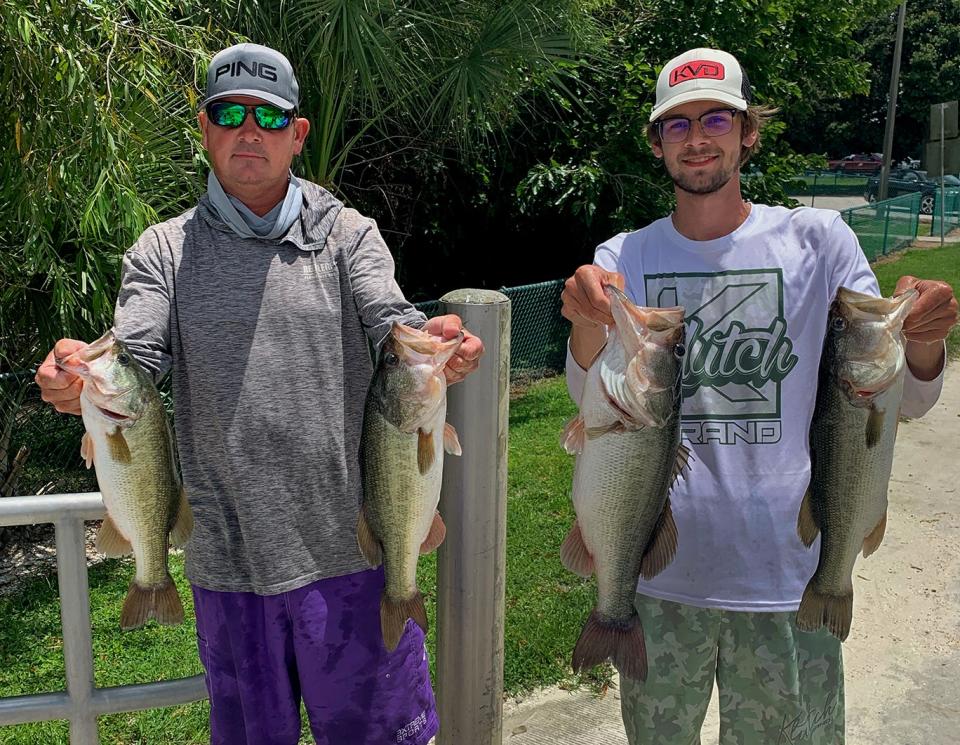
x: 82, y: 702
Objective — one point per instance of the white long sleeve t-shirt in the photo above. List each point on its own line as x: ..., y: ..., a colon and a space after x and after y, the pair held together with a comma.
x: 756, y: 305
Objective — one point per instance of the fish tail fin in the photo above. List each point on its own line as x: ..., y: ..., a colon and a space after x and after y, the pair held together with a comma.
x: 818, y: 609
x: 394, y: 613
x: 143, y: 602
x: 623, y: 644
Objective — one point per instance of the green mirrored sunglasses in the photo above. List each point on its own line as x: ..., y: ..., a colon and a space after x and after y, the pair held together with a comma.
x: 232, y: 115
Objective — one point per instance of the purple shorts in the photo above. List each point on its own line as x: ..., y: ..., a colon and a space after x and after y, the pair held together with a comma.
x: 321, y: 643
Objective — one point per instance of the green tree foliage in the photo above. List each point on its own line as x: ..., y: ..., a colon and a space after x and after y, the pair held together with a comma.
x: 536, y: 205
x: 379, y: 77
x: 929, y: 74
x: 98, y: 102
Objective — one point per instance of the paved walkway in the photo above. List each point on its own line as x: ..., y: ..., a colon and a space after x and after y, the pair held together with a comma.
x: 903, y: 656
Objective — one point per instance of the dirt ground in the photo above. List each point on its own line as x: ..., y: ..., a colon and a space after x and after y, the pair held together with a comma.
x: 902, y: 658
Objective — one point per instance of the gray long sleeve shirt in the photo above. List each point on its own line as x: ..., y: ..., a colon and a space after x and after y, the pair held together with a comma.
x: 267, y: 342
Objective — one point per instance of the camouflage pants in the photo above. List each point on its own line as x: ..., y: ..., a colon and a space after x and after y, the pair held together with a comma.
x: 777, y: 685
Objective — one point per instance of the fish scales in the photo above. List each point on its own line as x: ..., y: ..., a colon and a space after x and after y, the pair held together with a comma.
x: 129, y: 441
x: 402, y: 445
x: 627, y: 440
x: 852, y: 437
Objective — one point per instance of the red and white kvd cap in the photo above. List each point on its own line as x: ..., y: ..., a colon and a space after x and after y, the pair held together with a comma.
x: 701, y: 75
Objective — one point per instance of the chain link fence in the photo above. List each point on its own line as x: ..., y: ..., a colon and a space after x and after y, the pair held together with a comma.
x: 828, y: 183
x: 40, y: 448
x: 946, y: 208
x: 884, y: 227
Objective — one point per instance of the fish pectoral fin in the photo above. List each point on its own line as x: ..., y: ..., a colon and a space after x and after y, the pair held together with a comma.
x: 807, y: 527
x: 593, y: 433
x: 369, y: 545
x: 451, y: 442
x: 682, y: 463
x: 425, y: 454
x: 574, y: 436
x: 575, y: 555
x: 117, y: 445
x: 183, y: 525
x: 872, y: 542
x: 86, y: 449
x: 110, y: 541
x: 662, y: 546
x: 874, y: 426
x: 435, y: 536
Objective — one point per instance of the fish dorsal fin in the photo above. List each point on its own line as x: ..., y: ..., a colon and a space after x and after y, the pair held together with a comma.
x: 807, y: 527
x: 183, y: 525
x: 682, y: 463
x: 117, y: 445
x: 872, y: 542
x: 574, y: 553
x: 369, y: 545
x: 874, y: 427
x: 451, y: 442
x: 86, y: 449
x: 110, y: 541
x: 425, y: 454
x: 662, y: 546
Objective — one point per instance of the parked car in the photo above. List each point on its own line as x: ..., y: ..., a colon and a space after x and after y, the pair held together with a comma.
x: 862, y: 163
x: 908, y: 181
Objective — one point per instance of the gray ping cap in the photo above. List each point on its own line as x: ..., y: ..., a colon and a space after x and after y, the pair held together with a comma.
x: 252, y: 70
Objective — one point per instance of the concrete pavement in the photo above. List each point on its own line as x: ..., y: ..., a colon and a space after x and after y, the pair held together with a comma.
x: 902, y: 659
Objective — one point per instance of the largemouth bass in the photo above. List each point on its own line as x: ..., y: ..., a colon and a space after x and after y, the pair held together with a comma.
x: 852, y: 435
x: 404, y: 437
x: 627, y: 437
x: 129, y: 442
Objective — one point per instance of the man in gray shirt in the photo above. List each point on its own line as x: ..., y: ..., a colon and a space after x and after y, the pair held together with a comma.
x: 261, y: 302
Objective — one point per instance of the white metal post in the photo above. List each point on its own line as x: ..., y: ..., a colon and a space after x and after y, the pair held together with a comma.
x: 472, y: 559
x: 77, y: 638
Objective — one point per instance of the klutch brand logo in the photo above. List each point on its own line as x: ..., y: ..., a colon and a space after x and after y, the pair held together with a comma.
x: 738, y: 352
x: 254, y: 69
x: 698, y: 69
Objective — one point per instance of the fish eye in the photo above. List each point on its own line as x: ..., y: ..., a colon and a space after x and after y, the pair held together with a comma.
x: 679, y: 351
x: 123, y: 358
x: 391, y: 359
x: 839, y: 323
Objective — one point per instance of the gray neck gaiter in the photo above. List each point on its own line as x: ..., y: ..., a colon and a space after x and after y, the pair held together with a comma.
x: 246, y: 223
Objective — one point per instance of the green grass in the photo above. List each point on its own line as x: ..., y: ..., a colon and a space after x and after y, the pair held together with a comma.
x: 933, y: 263
x: 545, y: 605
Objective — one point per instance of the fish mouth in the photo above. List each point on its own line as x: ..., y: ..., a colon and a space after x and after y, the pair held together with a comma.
x: 417, y: 347
x: 665, y: 324
x: 858, y: 306
x: 113, y: 416
x: 78, y: 363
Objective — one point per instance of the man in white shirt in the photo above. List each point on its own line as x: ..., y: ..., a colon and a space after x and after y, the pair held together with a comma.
x: 757, y: 282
